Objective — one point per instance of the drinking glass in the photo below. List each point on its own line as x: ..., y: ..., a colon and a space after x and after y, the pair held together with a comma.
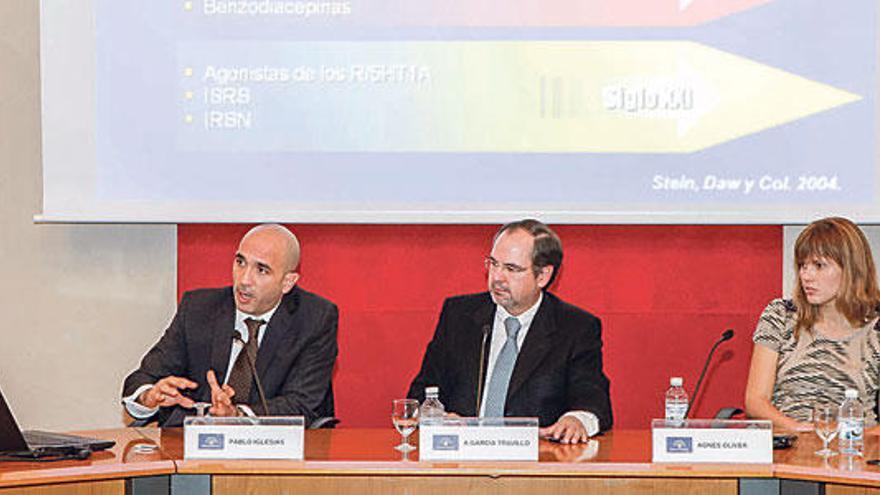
x: 405, y: 416
x: 201, y: 407
x: 825, y: 424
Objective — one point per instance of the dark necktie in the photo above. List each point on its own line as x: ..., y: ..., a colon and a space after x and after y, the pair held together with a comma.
x: 241, y: 377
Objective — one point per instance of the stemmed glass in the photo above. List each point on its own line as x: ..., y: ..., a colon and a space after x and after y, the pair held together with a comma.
x: 201, y: 408
x: 825, y: 424
x: 405, y: 416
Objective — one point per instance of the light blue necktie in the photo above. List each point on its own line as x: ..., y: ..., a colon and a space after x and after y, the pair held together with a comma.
x: 496, y: 394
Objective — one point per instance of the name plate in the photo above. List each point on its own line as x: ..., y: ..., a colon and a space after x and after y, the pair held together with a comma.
x: 479, y: 439
x: 276, y: 437
x: 704, y: 440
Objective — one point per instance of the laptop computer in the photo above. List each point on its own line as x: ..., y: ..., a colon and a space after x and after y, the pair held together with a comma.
x: 41, y: 444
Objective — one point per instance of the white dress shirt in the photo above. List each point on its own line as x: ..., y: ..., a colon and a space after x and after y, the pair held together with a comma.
x: 499, y: 337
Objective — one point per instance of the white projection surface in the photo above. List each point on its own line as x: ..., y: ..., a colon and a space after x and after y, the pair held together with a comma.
x: 459, y: 111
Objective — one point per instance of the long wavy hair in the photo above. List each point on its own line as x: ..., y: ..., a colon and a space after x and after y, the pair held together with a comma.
x: 840, y: 240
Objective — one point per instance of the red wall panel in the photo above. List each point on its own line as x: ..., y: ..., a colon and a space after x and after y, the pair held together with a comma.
x: 664, y: 293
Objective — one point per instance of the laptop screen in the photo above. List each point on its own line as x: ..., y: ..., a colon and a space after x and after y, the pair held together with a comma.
x: 11, y: 439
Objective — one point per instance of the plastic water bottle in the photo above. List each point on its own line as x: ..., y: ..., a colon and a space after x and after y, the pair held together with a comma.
x: 851, y: 421
x: 676, y: 400
x: 431, y: 410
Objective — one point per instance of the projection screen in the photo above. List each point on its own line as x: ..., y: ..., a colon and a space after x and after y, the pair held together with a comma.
x: 460, y: 111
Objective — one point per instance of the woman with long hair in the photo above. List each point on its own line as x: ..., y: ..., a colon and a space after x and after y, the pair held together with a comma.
x: 810, y: 349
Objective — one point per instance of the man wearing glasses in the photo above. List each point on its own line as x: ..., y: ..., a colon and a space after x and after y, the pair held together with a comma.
x: 518, y: 350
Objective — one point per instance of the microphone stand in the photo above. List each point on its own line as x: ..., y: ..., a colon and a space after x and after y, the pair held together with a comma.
x: 237, y: 338
x: 727, y: 335
x: 486, y: 329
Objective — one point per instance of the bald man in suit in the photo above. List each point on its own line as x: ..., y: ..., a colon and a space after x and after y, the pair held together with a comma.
x: 206, y: 346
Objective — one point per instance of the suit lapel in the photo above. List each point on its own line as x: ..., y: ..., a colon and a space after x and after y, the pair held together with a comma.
x: 277, y: 332
x: 538, y: 342
x: 221, y: 338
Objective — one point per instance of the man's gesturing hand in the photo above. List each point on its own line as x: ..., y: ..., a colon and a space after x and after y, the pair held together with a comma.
x: 221, y: 398
x: 166, y: 392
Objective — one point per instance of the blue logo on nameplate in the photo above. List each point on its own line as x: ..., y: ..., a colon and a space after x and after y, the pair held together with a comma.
x: 679, y: 445
x: 445, y: 442
x: 211, y: 441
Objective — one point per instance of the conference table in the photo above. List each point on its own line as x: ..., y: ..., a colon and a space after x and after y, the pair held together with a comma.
x: 342, y: 461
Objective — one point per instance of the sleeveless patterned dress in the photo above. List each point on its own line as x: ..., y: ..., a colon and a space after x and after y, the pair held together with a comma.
x: 817, y: 369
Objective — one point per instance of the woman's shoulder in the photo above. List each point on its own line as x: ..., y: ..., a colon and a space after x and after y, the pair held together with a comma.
x: 776, y: 323
x: 780, y: 308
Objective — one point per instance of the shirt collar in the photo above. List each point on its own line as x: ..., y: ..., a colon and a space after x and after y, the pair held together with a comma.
x: 525, y: 318
x: 240, y: 316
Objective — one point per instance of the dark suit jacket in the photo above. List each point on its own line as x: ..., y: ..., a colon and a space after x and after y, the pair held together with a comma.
x: 558, y: 369
x: 294, y: 362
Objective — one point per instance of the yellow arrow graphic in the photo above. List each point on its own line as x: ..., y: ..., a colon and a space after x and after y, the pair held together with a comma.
x: 525, y: 96
x: 630, y: 97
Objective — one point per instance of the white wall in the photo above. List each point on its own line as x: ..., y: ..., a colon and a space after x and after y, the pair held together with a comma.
x: 79, y: 304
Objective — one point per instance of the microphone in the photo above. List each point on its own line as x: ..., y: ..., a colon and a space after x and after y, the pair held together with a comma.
x: 727, y: 335
x: 237, y: 337
x: 486, y: 330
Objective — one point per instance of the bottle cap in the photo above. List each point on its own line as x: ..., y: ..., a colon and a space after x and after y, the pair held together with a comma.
x: 432, y: 390
x: 676, y: 381
x: 851, y: 393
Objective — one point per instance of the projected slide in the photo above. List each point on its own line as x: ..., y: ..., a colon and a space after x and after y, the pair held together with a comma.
x: 465, y: 111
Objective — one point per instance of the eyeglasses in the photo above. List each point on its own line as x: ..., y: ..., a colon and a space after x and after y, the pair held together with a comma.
x: 509, y: 268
